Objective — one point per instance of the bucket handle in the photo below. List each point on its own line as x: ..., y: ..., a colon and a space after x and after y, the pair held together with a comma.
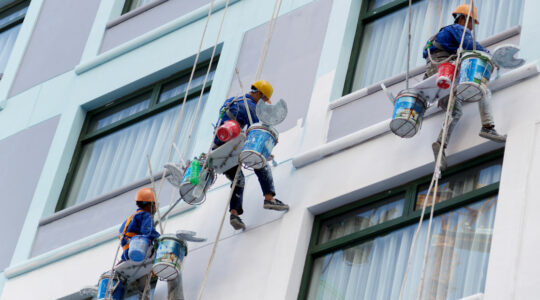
x: 387, y: 93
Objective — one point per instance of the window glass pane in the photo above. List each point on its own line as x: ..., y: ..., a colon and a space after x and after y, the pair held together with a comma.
x: 119, y: 112
x: 456, y: 266
x: 383, y: 51
x: 7, y: 41
x: 462, y: 183
x: 178, y: 86
x: 119, y: 159
x: 362, y: 218
x: 378, y: 3
x: 13, y: 13
x: 137, y: 3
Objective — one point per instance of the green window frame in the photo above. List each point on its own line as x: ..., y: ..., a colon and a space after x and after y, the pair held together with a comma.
x: 410, y: 215
x: 365, y: 17
x: 12, y: 10
x: 90, y: 134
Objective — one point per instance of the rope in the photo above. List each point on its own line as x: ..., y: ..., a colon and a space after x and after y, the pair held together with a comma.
x: 245, y: 100
x: 408, y: 46
x: 268, y: 38
x: 434, y: 180
x: 154, y: 190
x: 212, y: 255
x: 108, y: 290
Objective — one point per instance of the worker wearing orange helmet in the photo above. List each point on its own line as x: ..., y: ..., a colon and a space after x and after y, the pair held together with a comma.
x: 235, y: 109
x: 140, y: 223
x: 440, y: 48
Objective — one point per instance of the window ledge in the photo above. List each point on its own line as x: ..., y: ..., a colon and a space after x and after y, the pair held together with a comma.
x: 366, y: 134
x: 78, y: 207
x: 133, y: 13
x: 148, y: 37
x: 357, y: 95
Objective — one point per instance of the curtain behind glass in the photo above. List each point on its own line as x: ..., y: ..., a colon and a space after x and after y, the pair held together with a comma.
x: 374, y: 270
x: 120, y: 158
x: 7, y: 41
x: 383, y: 52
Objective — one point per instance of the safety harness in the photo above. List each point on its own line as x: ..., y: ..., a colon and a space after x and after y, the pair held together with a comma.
x: 432, y: 41
x: 227, y: 109
x: 127, y: 235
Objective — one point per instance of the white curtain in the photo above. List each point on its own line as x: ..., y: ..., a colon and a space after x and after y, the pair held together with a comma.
x: 456, y: 267
x: 383, y: 52
x: 120, y: 158
x: 7, y: 41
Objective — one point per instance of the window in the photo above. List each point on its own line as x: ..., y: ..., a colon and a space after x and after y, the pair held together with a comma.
x: 117, y: 138
x: 11, y: 18
x: 380, y: 45
x: 360, y: 251
x: 130, y: 5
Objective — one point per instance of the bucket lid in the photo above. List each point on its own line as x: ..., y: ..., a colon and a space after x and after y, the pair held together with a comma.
x: 477, y: 53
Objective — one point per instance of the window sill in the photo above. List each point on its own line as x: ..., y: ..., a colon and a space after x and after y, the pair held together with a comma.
x: 134, y: 13
x: 358, y: 95
x: 506, y: 80
x: 148, y: 37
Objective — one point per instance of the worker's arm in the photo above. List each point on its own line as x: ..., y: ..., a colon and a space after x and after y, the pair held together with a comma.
x: 147, y: 226
x: 468, y: 42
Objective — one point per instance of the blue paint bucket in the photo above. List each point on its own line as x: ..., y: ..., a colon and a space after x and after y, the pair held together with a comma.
x: 116, y: 289
x: 474, y: 73
x: 409, y: 109
x: 260, y: 142
x: 138, y: 246
x: 169, y: 257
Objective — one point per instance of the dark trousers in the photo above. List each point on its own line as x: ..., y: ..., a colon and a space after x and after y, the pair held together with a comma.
x: 266, y: 182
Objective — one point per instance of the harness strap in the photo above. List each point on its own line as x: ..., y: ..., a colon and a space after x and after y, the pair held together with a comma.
x: 228, y: 108
x: 432, y: 41
x: 127, y: 235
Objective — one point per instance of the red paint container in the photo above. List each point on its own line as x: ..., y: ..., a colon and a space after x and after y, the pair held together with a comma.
x: 229, y: 130
x: 445, y: 75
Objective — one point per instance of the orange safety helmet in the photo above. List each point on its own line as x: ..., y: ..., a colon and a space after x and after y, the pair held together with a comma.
x: 464, y: 9
x: 145, y: 195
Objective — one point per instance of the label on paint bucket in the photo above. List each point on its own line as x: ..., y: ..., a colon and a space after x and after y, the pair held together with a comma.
x: 475, y: 70
x: 408, y: 108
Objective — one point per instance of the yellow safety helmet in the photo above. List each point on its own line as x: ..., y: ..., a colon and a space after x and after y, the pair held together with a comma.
x: 264, y: 87
x: 464, y: 9
x: 145, y: 195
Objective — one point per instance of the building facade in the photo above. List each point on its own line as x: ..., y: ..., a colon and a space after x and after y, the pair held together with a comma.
x: 91, y: 91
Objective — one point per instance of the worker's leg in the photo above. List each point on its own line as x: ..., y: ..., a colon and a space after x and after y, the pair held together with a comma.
x: 235, y: 206
x: 175, y: 289
x: 266, y: 182
x: 141, y: 285
x: 456, y: 115
x: 488, y: 124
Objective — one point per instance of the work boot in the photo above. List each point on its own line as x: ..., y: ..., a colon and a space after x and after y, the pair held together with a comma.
x: 492, y: 134
x: 275, y: 205
x: 436, y: 148
x: 237, y: 223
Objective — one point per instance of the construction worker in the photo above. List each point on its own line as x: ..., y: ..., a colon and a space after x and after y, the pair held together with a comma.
x: 443, y: 47
x: 235, y: 109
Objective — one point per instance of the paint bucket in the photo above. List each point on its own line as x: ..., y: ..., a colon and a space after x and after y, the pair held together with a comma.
x: 169, y: 256
x: 260, y: 141
x: 188, y: 191
x: 474, y: 73
x: 116, y: 288
x: 228, y: 131
x: 138, y: 247
x: 409, y: 109
x: 445, y: 75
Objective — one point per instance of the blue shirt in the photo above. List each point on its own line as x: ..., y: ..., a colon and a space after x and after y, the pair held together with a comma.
x: 142, y: 223
x: 239, y: 112
x: 449, y: 38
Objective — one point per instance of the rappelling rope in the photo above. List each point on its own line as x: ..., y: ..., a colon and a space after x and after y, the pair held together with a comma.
x: 212, y: 255
x: 154, y: 190
x: 408, y: 46
x: 268, y: 38
x: 434, y: 180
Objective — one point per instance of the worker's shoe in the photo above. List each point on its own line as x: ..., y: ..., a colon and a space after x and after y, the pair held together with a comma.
x: 436, y: 148
x: 275, y: 205
x: 492, y: 135
x: 237, y: 223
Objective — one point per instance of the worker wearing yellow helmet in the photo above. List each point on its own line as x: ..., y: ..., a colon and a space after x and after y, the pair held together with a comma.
x: 235, y: 109
x: 443, y: 47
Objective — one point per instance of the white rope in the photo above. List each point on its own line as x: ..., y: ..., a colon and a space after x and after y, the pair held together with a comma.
x: 111, y: 275
x: 408, y: 46
x: 212, y: 255
x: 154, y: 190
x: 268, y: 38
x: 435, y: 178
x: 244, y: 97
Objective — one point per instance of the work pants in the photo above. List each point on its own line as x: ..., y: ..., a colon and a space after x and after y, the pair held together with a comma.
x: 266, y: 182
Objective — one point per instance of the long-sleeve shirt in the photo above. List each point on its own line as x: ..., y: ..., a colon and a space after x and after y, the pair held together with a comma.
x: 141, y: 223
x: 237, y: 109
x: 449, y: 38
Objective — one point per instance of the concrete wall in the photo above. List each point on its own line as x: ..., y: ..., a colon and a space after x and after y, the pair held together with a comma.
x: 22, y: 157
x: 57, y: 42
x: 148, y: 20
x: 293, y: 58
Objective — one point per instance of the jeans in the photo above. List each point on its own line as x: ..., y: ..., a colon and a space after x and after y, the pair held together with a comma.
x: 484, y: 105
x: 266, y: 182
